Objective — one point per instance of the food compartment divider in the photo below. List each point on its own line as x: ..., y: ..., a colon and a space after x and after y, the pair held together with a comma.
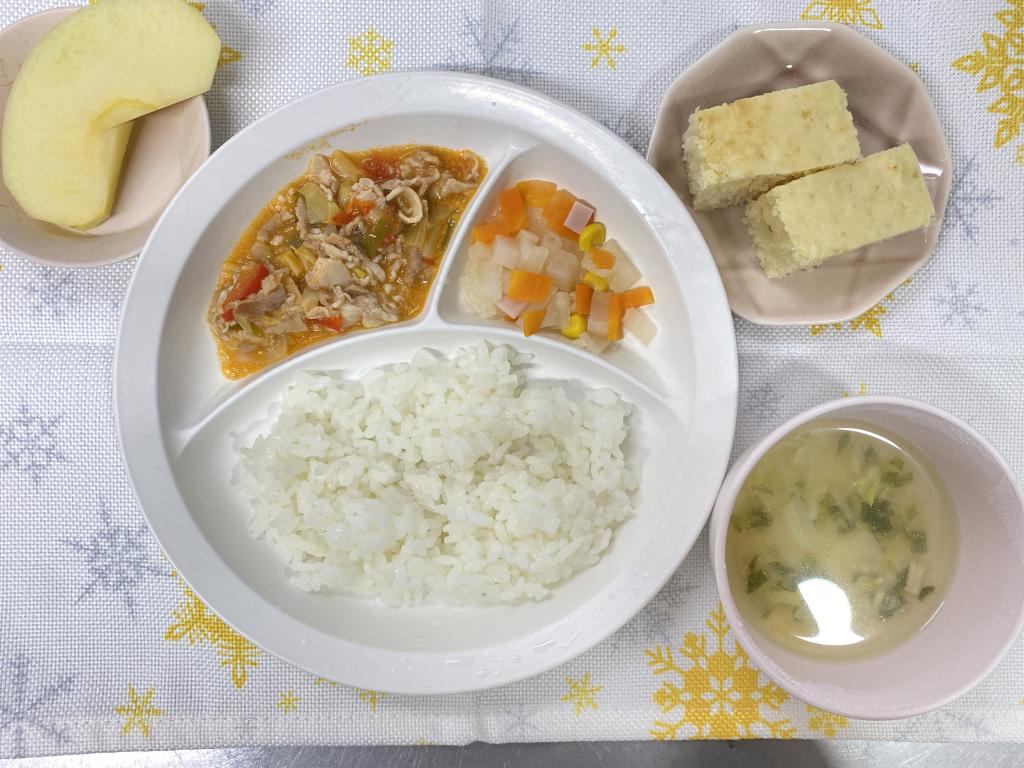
x: 655, y: 365
x: 470, y: 217
x: 206, y: 464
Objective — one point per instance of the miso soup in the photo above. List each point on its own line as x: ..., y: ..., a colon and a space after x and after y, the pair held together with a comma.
x: 842, y: 542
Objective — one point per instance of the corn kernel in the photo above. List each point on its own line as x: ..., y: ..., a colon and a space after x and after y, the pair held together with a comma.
x: 596, y: 282
x: 577, y: 325
x: 592, y: 236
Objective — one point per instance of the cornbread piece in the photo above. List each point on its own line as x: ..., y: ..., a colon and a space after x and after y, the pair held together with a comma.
x: 737, y: 151
x: 800, y: 224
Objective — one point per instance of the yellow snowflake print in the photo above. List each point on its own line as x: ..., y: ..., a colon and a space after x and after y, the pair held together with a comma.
x: 713, y: 693
x: 824, y: 722
x: 861, y: 390
x: 198, y: 625
x: 372, y: 698
x: 288, y: 702
x: 324, y: 681
x: 369, y: 53
x: 998, y: 63
x: 1020, y: 155
x: 852, y: 12
x: 137, y: 712
x: 582, y: 694
x: 604, y: 48
x: 870, y: 321
x: 228, y: 55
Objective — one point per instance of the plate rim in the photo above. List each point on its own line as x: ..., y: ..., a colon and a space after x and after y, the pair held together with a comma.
x: 707, y: 312
x: 945, y: 184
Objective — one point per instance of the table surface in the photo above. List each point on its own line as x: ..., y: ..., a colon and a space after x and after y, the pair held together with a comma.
x: 103, y: 648
x: 721, y: 754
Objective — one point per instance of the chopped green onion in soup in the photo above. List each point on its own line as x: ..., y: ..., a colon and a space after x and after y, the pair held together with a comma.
x: 842, y: 541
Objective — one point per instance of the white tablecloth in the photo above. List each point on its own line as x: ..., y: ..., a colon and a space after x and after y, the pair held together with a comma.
x: 101, y: 647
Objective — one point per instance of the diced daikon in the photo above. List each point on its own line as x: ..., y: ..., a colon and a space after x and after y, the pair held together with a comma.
x: 490, y: 281
x: 595, y: 343
x: 590, y: 266
x: 533, y: 260
x: 562, y: 304
x: 564, y: 269
x: 506, y: 252
x: 625, y: 273
x: 597, y: 322
x: 639, y: 323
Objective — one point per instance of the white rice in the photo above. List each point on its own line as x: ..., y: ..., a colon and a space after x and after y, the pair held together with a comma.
x: 442, y: 480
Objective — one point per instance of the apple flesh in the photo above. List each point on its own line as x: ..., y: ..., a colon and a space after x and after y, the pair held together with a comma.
x: 68, y: 117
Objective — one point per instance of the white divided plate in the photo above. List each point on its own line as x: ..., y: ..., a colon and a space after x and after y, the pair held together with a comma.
x: 181, y: 423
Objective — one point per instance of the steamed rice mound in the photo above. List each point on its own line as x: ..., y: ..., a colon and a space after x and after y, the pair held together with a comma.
x: 441, y: 480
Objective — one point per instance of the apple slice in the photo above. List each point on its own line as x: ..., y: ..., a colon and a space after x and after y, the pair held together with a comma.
x: 69, y: 114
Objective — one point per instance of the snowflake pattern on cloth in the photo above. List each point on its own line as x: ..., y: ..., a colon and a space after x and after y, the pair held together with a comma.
x: 27, y: 706
x: 29, y: 444
x: 118, y: 556
x: 102, y: 649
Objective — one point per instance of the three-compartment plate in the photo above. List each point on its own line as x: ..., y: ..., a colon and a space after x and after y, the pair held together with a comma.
x: 181, y: 423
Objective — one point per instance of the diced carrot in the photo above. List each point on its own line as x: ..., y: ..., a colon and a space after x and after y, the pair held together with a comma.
x: 512, y: 209
x: 536, y: 193
x: 485, y: 233
x: 334, y: 323
x: 616, y: 310
x: 602, y: 259
x: 379, y: 167
x: 246, y: 284
x: 557, y: 209
x: 584, y: 293
x: 640, y: 296
x: 529, y: 286
x: 352, y: 209
x: 532, y: 321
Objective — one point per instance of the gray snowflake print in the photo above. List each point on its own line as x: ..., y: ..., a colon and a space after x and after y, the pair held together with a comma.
x: 118, y: 557
x: 51, y: 291
x: 943, y: 721
x: 968, y: 199
x: 29, y: 445
x: 256, y: 7
x: 660, y: 622
x: 960, y: 305
x: 763, y: 401
x: 519, y: 722
x: 24, y: 702
x: 636, y: 122
x: 496, y: 50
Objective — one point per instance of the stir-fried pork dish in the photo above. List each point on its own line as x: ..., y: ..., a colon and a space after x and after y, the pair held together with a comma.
x: 355, y: 242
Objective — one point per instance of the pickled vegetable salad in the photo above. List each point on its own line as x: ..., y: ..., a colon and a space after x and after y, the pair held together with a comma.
x: 353, y: 243
x: 543, y: 262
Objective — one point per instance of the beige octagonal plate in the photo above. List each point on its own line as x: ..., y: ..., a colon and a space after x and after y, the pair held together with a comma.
x: 890, y: 106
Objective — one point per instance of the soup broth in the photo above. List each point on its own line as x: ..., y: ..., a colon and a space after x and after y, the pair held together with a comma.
x: 842, y: 541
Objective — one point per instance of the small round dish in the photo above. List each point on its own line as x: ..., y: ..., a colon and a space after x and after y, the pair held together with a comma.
x: 890, y: 106
x: 180, y: 422
x: 983, y: 610
x: 165, y: 149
